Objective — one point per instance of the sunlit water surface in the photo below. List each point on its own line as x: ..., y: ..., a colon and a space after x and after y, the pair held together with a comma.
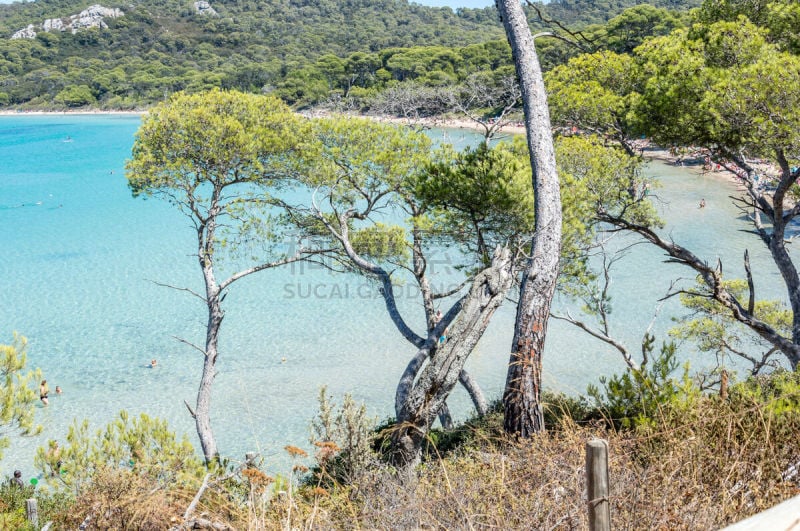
x: 81, y: 258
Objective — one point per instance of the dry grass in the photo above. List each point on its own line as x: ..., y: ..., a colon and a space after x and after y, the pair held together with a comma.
x: 121, y: 499
x: 699, y: 466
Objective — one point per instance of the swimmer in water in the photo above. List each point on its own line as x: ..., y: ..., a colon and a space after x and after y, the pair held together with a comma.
x: 43, y: 392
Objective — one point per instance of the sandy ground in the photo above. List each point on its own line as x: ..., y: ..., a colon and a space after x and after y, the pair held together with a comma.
x: 62, y: 113
x: 692, y: 163
x: 695, y: 164
x: 450, y: 123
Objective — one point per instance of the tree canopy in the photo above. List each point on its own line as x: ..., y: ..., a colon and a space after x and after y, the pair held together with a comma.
x: 725, y: 86
x: 220, y: 158
x: 17, y: 397
x: 307, y: 52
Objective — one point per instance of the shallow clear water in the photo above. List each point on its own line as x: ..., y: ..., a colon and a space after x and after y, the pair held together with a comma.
x: 80, y: 257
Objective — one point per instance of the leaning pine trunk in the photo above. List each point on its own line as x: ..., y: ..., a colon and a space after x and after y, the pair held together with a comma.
x: 521, y: 400
x: 440, y: 375
x: 202, y: 413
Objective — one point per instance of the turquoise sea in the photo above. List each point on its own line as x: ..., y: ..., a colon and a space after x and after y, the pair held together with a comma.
x: 81, y: 258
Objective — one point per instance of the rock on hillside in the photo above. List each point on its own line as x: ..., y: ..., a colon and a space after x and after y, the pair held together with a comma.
x: 204, y: 8
x: 91, y: 17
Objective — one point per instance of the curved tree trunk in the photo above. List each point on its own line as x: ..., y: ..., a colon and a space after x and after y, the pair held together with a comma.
x: 466, y: 379
x: 202, y: 413
x: 475, y: 392
x: 780, y: 254
x: 521, y: 399
x: 443, y: 370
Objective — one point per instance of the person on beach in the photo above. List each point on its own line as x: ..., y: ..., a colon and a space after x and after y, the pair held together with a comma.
x: 703, y: 203
x: 43, y: 392
x: 16, y: 481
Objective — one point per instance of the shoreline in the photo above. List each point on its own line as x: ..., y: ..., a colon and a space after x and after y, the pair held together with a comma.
x: 450, y: 123
x: 697, y: 166
x: 66, y: 113
x: 648, y: 151
x: 430, y: 122
x: 661, y: 154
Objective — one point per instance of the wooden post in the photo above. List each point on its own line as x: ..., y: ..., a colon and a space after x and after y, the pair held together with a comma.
x: 32, y: 511
x: 597, y: 485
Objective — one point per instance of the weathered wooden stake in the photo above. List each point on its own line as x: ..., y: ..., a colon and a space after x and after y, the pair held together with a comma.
x: 597, y: 485
x: 32, y: 511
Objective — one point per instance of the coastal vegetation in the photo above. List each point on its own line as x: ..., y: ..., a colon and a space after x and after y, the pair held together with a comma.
x: 722, y: 459
x: 218, y: 157
x: 688, y: 450
x: 17, y: 398
x: 726, y: 87
x: 307, y: 53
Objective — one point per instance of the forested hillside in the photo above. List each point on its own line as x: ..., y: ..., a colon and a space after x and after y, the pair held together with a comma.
x: 158, y: 48
x: 582, y: 12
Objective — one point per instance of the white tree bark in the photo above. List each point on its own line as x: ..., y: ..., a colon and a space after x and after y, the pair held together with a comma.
x: 440, y: 375
x: 523, y: 414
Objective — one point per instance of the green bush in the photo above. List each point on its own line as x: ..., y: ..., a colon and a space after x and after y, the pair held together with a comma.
x: 344, y: 437
x: 75, y: 96
x: 638, y: 397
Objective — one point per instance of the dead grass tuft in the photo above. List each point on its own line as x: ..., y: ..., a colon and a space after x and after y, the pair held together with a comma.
x: 701, y: 464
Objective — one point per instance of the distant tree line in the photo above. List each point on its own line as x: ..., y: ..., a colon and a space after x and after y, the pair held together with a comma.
x: 305, y: 52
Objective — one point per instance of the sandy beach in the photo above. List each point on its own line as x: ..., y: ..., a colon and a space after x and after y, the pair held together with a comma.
x: 452, y: 123
x: 64, y: 113
x: 693, y: 163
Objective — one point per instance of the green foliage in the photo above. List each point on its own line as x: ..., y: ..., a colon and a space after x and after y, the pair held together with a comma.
x: 584, y: 12
x: 778, y: 394
x: 482, y: 190
x: 630, y: 28
x: 639, y: 396
x: 191, y: 148
x: 592, y: 92
x: 51, y: 505
x: 220, y: 138
x: 75, y: 96
x: 608, y: 178
x: 159, y: 48
x: 307, y: 53
x: 713, y: 329
x: 358, y: 153
x: 344, y: 437
x: 381, y: 242
x: 721, y: 84
x: 17, y: 396
x: 143, y: 445
x: 12, y: 504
